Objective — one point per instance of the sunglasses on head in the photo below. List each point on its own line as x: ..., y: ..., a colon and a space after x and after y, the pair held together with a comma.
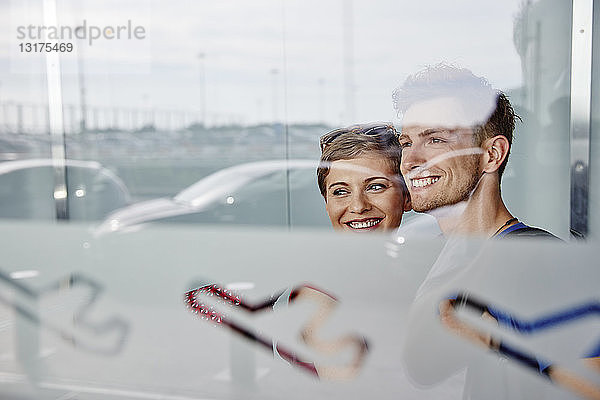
x: 362, y: 129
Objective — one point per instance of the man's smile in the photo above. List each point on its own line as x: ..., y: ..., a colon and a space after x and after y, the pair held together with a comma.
x: 423, y: 182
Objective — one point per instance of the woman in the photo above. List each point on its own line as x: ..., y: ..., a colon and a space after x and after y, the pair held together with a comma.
x: 359, y: 178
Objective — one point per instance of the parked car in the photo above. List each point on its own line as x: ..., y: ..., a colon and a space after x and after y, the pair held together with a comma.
x: 27, y: 190
x: 267, y: 193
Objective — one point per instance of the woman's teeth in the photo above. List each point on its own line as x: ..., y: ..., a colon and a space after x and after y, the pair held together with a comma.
x: 363, y: 224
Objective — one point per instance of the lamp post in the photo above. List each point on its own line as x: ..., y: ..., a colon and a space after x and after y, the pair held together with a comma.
x: 321, y: 100
x: 274, y: 73
x: 82, y: 121
x: 201, y: 58
x: 348, y: 51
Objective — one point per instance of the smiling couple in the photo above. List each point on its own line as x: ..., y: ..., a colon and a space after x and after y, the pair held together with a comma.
x: 447, y: 160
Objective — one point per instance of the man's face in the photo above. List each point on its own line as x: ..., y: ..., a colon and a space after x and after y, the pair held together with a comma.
x: 440, y: 161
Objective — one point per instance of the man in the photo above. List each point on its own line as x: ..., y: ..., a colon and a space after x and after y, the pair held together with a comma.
x: 456, y: 137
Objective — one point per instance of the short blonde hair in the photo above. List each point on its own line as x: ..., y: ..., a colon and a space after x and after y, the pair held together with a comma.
x: 352, y: 144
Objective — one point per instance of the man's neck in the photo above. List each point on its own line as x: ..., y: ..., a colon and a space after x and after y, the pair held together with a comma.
x: 480, y: 215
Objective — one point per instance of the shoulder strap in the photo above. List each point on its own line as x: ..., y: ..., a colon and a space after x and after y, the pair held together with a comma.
x: 512, y: 228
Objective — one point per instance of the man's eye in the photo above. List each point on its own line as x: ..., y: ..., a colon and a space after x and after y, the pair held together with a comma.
x: 375, y: 187
x: 436, y: 140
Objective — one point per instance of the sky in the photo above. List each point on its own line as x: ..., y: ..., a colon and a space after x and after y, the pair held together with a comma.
x: 334, y: 61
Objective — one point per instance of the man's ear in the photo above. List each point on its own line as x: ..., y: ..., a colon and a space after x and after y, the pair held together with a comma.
x: 495, y: 151
x: 407, y: 203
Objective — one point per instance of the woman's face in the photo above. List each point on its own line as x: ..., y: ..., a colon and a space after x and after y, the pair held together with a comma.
x: 364, y: 194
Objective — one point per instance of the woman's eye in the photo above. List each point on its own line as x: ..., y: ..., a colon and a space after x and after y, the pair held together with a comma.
x: 404, y: 145
x: 340, y: 192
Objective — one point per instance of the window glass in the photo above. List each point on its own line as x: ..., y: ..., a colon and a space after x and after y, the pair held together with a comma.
x: 595, y: 134
x: 541, y: 36
x: 164, y: 234
x: 182, y: 99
